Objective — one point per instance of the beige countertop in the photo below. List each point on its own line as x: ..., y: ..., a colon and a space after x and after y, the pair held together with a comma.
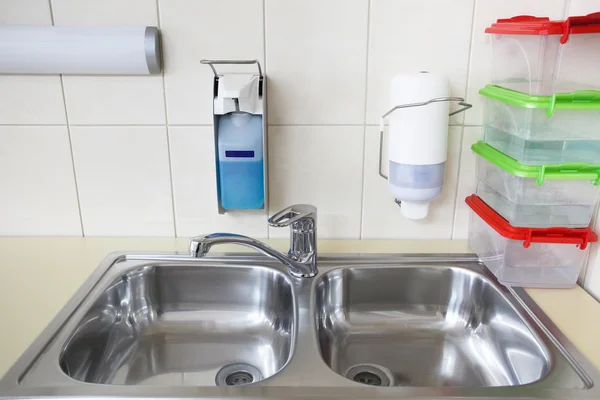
x: 39, y: 275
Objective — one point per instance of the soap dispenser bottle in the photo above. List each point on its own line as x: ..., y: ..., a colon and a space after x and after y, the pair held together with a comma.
x: 241, y: 164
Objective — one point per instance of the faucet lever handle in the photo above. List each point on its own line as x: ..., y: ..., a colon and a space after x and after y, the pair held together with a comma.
x: 292, y: 214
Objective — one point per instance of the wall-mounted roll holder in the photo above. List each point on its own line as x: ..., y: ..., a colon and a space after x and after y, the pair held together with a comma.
x: 238, y: 100
x: 80, y: 50
x: 460, y: 100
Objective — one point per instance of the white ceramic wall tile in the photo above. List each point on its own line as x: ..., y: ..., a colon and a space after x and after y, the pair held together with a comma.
x: 29, y: 99
x: 316, y: 60
x: 486, y: 13
x: 38, y: 195
x: 322, y: 166
x: 466, y: 181
x: 105, y: 12
x: 381, y: 217
x: 590, y: 276
x: 214, y: 29
x: 111, y: 100
x: 583, y: 7
x: 123, y: 180
x: 413, y: 36
x: 195, y: 188
x: 591, y: 281
x: 579, y: 62
x: 25, y: 12
x: 115, y: 100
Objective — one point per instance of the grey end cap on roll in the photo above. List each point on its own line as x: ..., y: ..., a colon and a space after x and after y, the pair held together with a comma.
x: 152, y: 48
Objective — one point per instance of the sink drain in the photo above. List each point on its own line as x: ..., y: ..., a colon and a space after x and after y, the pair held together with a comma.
x: 237, y: 375
x: 238, y: 378
x: 367, y: 378
x: 370, y: 374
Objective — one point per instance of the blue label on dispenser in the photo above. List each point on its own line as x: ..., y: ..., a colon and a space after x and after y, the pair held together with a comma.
x: 239, y: 153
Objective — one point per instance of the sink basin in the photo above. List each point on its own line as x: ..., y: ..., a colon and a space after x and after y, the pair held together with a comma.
x: 184, y: 326
x: 424, y: 326
x: 233, y: 326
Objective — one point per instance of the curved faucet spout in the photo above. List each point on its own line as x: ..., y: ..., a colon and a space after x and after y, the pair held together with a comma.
x: 302, y: 267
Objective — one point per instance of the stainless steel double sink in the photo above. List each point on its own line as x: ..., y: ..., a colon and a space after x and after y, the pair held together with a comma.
x: 367, y: 326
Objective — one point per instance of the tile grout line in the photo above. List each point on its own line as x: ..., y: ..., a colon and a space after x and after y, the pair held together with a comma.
x: 567, y: 9
x: 472, y: 37
x: 586, y: 267
x: 33, y: 125
x: 167, y: 133
x: 168, y: 137
x: 459, y: 168
x: 264, y: 32
x: 308, y: 125
x: 207, y: 125
x: 62, y: 89
x: 462, y: 131
x: 364, y: 152
x: 111, y: 125
x: 264, y: 21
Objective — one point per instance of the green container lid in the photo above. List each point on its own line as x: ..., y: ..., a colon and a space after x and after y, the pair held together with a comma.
x: 570, y: 171
x: 579, y: 100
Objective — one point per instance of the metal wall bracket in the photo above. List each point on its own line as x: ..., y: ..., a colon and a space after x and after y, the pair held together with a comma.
x: 460, y: 100
x: 212, y: 63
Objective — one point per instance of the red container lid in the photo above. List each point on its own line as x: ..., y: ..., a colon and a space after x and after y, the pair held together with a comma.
x: 530, y: 25
x: 579, y: 236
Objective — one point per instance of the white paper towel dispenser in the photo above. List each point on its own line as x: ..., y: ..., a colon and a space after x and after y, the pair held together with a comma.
x: 418, y: 140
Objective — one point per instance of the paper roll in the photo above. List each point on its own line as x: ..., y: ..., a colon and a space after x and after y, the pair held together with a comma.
x: 419, y: 135
x: 80, y: 50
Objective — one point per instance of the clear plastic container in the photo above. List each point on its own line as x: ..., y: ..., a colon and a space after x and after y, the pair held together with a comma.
x: 535, y: 130
x: 532, y: 54
x: 549, y: 258
x: 536, y: 197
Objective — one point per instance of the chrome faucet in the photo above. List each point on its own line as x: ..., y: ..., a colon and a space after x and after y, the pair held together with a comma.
x: 301, y: 259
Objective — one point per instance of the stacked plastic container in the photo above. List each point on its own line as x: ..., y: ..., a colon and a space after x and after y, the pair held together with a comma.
x: 538, y: 166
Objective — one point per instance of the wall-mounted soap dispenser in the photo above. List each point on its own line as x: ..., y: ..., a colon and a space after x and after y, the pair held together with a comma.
x: 239, y: 104
x: 418, y: 137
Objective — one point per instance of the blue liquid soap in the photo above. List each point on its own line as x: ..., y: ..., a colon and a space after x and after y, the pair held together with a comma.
x: 241, y: 166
